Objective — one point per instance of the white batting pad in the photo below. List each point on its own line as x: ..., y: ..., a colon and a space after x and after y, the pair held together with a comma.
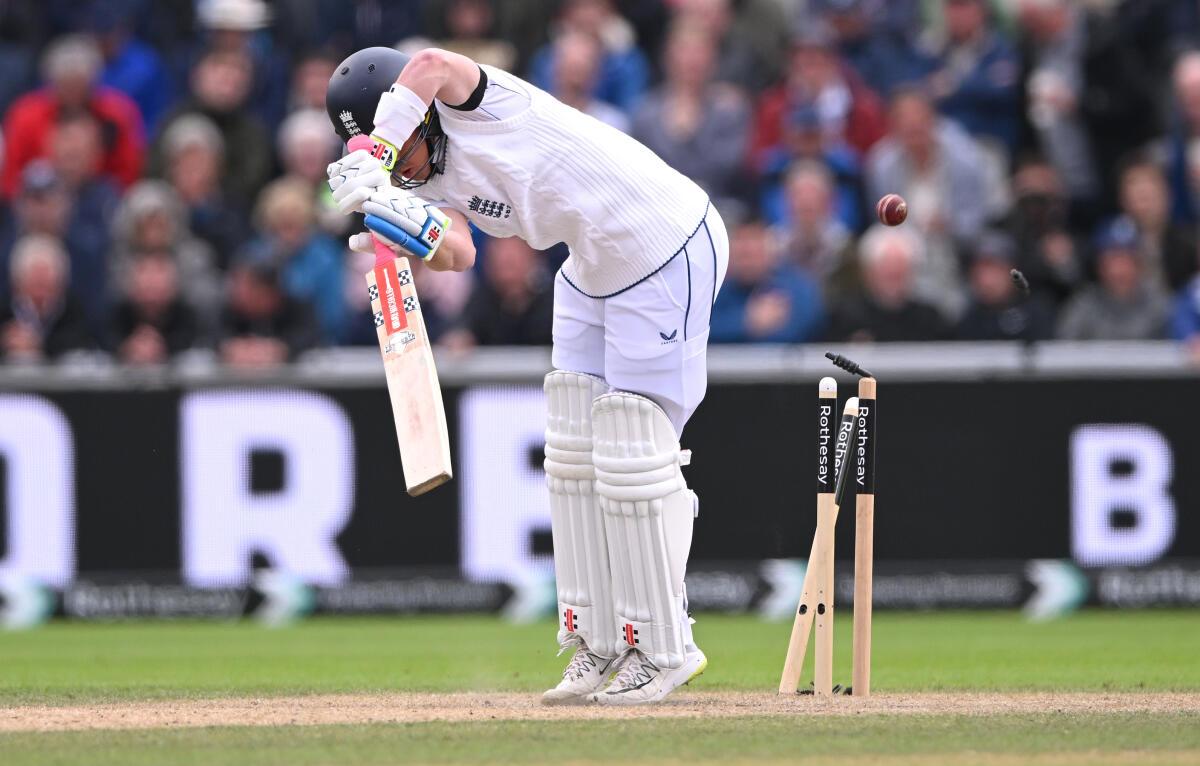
x: 648, y: 514
x: 585, y: 607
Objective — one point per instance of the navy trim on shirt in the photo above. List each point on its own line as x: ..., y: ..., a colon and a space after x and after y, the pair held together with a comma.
x: 660, y: 268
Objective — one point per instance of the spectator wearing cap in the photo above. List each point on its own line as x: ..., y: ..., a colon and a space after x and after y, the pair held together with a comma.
x: 577, y: 57
x: 624, y: 70
x: 819, y: 91
x: 975, y: 80
x: 71, y: 66
x: 307, y: 144
x: 1124, y: 304
x: 308, y: 260
x: 261, y: 325
x: 880, y: 53
x: 812, y: 236
x: 152, y: 219
x: 220, y: 90
x: 130, y: 65
x: 471, y: 31
x: 936, y: 166
x: 511, y: 305
x: 1170, y: 248
x: 806, y: 143
x: 239, y: 27
x: 697, y: 125
x: 765, y: 299
x: 40, y: 320
x: 887, y: 308
x: 997, y: 310
x: 193, y: 152
x: 151, y: 321
x: 1185, y: 319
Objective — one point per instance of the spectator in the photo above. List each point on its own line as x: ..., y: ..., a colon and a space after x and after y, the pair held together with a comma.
x: 310, y: 78
x: 41, y: 320
x: 238, y: 27
x: 764, y: 299
x: 130, y: 65
x: 1170, y: 248
x: 806, y: 143
x: 47, y: 206
x: 813, y: 238
x: 624, y: 71
x: 220, y: 90
x: 749, y: 45
x: 71, y: 66
x: 151, y: 219
x: 887, y: 309
x: 696, y: 125
x: 878, y: 52
x: 262, y: 326
x: 1046, y: 250
x: 1055, y: 43
x: 844, y: 108
x: 307, y: 144
x: 309, y: 261
x: 576, y: 64
x: 1183, y: 145
x: 1185, y: 321
x: 997, y: 311
x: 975, y: 81
x: 512, y: 305
x: 471, y: 25
x: 1125, y: 304
x: 935, y: 165
x: 194, y: 154
x: 151, y: 321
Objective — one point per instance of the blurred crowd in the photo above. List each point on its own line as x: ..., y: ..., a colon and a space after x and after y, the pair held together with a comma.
x: 162, y: 181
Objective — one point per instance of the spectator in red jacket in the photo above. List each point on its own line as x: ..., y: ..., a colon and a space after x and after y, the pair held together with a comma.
x: 849, y: 111
x: 70, y: 68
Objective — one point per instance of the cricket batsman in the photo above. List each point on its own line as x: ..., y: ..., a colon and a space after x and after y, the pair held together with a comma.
x: 632, y: 304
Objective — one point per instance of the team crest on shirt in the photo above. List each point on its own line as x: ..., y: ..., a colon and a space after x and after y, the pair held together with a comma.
x: 488, y: 207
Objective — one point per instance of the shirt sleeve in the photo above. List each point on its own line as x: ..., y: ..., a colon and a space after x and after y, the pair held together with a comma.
x: 499, y: 96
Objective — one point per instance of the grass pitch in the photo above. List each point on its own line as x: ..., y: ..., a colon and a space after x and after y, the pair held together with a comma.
x: 69, y: 664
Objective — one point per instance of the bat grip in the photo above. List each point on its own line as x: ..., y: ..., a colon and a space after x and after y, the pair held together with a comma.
x: 383, y: 253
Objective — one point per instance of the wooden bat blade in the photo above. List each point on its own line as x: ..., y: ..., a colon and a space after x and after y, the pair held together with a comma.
x: 412, y: 381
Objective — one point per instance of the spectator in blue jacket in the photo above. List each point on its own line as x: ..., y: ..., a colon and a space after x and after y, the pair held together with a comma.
x: 764, y: 300
x: 130, y: 65
x: 976, y: 77
x: 309, y: 261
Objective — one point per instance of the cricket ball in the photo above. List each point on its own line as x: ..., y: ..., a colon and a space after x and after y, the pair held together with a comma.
x: 892, y: 210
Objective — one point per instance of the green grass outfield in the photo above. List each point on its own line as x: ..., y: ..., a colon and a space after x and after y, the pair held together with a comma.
x: 70, y: 664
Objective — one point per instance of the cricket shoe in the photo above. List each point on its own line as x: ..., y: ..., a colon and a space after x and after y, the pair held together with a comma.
x: 640, y: 682
x: 586, y: 674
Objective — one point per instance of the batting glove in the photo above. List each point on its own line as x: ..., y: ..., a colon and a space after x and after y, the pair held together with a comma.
x: 407, y: 220
x: 354, y: 178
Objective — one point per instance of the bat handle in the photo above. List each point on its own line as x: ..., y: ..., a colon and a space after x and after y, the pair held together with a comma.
x: 383, y: 253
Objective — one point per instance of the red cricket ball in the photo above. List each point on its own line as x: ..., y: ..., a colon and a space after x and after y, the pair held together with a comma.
x: 892, y: 210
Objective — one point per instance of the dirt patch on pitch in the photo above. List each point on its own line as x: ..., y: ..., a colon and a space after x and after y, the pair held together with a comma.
x: 460, y: 707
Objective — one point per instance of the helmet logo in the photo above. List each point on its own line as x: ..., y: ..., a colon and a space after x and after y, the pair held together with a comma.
x: 350, y: 123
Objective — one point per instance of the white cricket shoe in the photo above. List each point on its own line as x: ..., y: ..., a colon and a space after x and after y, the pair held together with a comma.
x: 640, y: 682
x: 585, y: 674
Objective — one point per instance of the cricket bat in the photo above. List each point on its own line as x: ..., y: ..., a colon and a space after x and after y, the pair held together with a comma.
x: 412, y: 379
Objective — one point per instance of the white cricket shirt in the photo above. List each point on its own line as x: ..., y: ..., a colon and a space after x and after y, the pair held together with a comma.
x: 524, y: 164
